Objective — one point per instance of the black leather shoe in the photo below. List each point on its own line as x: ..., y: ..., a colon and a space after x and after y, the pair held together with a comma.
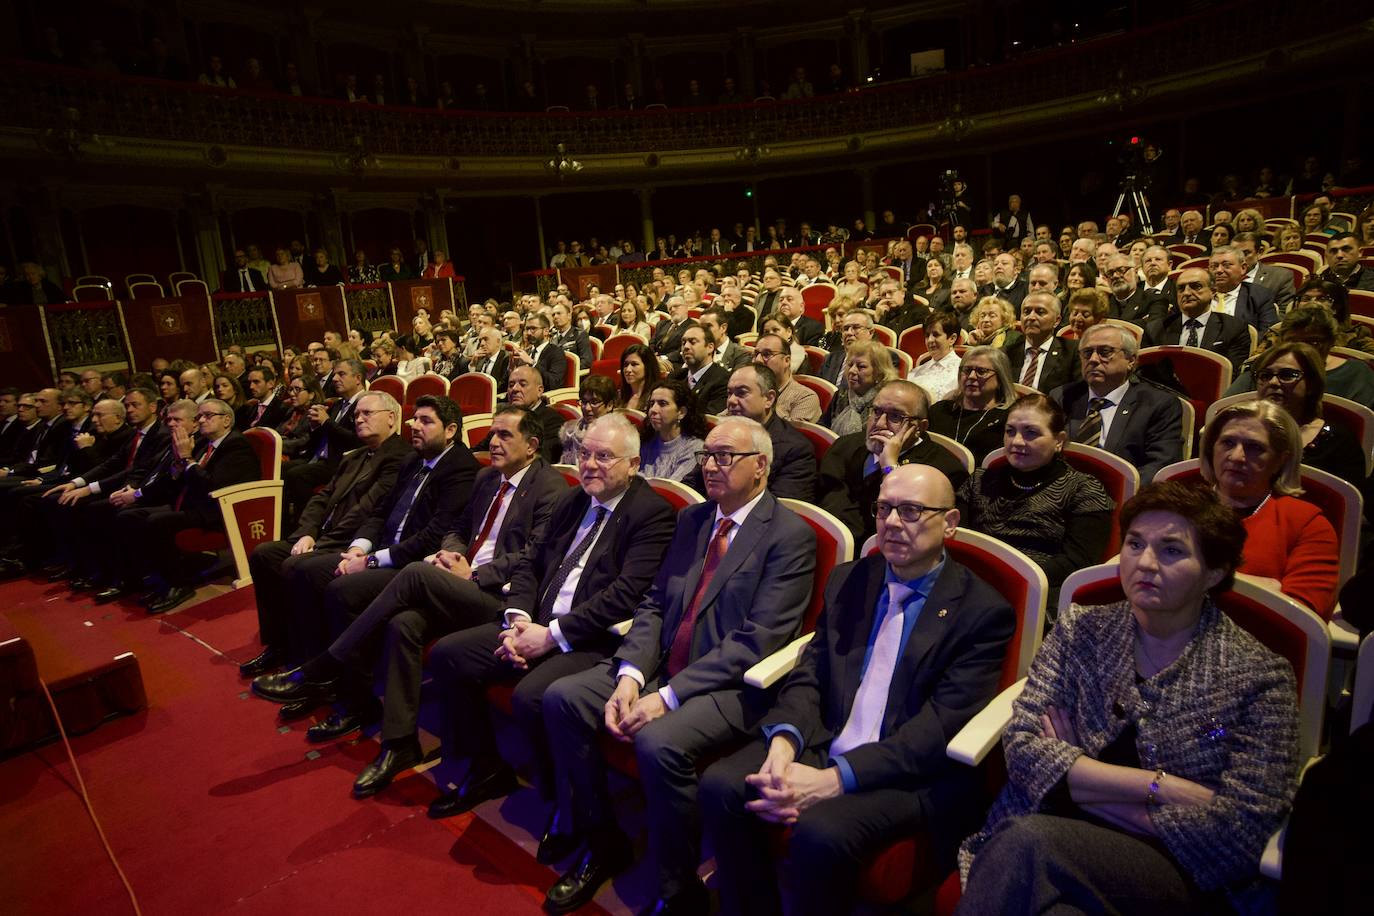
x: 290, y: 712
x: 692, y: 900
x: 152, y: 596
x: 113, y: 593
x: 339, y: 724
x: 269, y: 660
x: 597, y: 865
x: 57, y: 573
x: 392, y: 761
x: 175, y: 597
x: 292, y: 687
x: 84, y: 585
x: 477, y: 786
x: 558, y: 842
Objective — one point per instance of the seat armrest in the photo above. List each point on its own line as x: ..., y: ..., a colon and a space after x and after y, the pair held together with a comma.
x: 621, y: 628
x: 973, y: 742
x: 1271, y: 860
x: 778, y: 665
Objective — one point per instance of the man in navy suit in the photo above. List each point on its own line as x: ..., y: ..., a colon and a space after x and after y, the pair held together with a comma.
x: 1197, y: 324
x: 1249, y: 302
x: 570, y: 337
x: 541, y: 353
x: 909, y: 646
x: 241, y: 278
x: 1136, y: 420
x: 731, y: 591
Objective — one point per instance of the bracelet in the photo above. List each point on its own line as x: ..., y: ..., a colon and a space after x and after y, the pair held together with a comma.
x: 1152, y: 793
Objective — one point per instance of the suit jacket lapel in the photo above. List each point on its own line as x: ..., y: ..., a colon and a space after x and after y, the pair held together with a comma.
x: 1121, y: 418
x: 689, y: 585
x: 740, y: 547
x: 931, y: 627
x: 517, y: 505
x: 853, y: 660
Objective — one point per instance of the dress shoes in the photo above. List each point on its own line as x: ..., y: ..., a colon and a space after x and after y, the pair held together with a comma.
x: 292, y: 687
x: 692, y: 900
x: 600, y: 862
x: 269, y: 660
x: 478, y: 785
x: 11, y: 569
x: 558, y: 842
x: 113, y: 593
x: 394, y: 759
x: 57, y: 573
x: 175, y: 597
x: 84, y: 585
x: 338, y: 724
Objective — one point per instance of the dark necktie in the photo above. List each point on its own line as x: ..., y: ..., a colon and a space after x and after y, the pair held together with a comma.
x: 38, y: 442
x: 245, y: 285
x: 489, y: 520
x: 1032, y: 364
x: 1090, y: 433
x: 568, y: 565
x: 1192, y: 325
x: 339, y: 419
x: 680, y: 653
x: 339, y: 492
x: 185, y: 482
x: 395, y: 522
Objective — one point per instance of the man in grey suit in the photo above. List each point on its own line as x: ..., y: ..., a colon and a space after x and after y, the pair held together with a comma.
x: 729, y: 355
x: 857, y: 325
x: 1278, y: 280
x: 1126, y: 416
x: 327, y: 524
x: 1252, y: 304
x: 908, y: 648
x: 731, y: 591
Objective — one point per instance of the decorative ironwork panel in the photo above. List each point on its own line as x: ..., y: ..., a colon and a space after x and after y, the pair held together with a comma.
x: 460, y: 296
x: 86, y: 337
x: 369, y: 308
x: 245, y: 321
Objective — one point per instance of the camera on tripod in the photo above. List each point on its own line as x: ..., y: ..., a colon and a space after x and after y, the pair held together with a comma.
x: 1136, y: 160
x: 948, y: 206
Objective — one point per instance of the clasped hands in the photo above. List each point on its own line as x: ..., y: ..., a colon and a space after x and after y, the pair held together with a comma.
x: 523, y: 641
x: 787, y: 788
x: 627, y: 712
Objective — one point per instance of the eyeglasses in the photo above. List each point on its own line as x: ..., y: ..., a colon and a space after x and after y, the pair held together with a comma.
x: 722, y: 459
x: 368, y: 413
x: 765, y: 355
x: 893, y: 417
x: 1286, y: 376
x: 602, y: 459
x: 1103, y: 353
x: 207, y: 414
x: 911, y: 513
x: 1195, y: 284
x: 1319, y: 300
x: 978, y: 372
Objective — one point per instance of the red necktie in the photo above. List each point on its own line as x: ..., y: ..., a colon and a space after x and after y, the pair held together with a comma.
x: 133, y: 449
x: 490, y: 520
x: 204, y: 460
x: 680, y: 653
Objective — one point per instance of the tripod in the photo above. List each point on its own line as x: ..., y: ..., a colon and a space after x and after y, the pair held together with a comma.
x: 1140, y: 207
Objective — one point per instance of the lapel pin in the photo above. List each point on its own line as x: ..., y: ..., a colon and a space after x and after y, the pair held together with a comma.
x: 944, y: 612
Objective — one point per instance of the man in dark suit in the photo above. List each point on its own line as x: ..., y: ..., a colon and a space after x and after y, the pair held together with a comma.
x: 806, y: 330
x: 570, y: 337
x: 700, y: 372
x: 1196, y: 325
x: 1112, y: 410
x: 667, y: 339
x: 728, y: 354
x: 489, y: 358
x: 396, y: 268
x: 328, y: 590
x: 456, y: 586
x: 1343, y: 263
x: 767, y: 301
x: 752, y: 393
x: 541, y: 353
x: 145, y: 536
x: 1189, y: 231
x: 854, y: 466
x: 525, y: 388
x: 1155, y: 264
x: 326, y: 526
x: 267, y: 406
x: 1006, y: 281
x: 241, y: 278
x: 1130, y: 301
x: 40, y: 445
x: 332, y: 434
x: 604, y: 544
x: 1039, y: 358
x: 730, y: 591
x: 908, y: 648
x: 10, y: 423
x: 1247, y: 302
x: 857, y: 325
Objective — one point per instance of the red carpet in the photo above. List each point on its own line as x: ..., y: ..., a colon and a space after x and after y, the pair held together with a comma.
x: 211, y: 809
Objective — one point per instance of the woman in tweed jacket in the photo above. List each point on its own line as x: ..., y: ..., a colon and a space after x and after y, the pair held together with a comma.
x: 1155, y: 747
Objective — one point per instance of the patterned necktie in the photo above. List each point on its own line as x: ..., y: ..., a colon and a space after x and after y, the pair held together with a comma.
x: 568, y: 565
x: 1090, y: 433
x: 865, y: 721
x: 1192, y: 324
x: 1032, y: 365
x: 490, y: 520
x: 395, y: 522
x: 680, y: 653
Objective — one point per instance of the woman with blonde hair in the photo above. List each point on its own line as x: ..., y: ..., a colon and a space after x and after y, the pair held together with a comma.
x: 994, y: 323
x: 867, y: 367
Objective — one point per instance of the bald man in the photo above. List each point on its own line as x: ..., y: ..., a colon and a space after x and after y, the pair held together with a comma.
x: 849, y: 764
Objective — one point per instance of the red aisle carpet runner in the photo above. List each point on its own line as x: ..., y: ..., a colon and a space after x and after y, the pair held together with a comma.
x: 211, y: 809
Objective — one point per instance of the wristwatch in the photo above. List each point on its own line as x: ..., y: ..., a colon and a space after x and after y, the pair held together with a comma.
x: 373, y: 562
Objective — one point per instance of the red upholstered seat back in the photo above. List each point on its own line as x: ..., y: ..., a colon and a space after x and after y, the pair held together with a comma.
x: 435, y: 385
x: 995, y: 571
x: 475, y: 392
x: 815, y: 298
x: 1203, y: 378
x: 616, y: 344
x: 610, y: 368
x: 265, y: 447
x: 392, y: 385
x: 912, y: 342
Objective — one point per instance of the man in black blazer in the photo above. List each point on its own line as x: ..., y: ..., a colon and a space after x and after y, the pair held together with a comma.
x: 1142, y: 421
x: 1196, y: 325
x: 40, y: 445
x: 489, y: 358
x: 1038, y: 357
x: 1131, y: 301
x: 570, y: 337
x: 525, y: 388
x: 1006, y: 281
x: 728, y: 354
x: 145, y: 536
x: 855, y: 464
x: 326, y: 526
x: 455, y: 586
x: 241, y: 278
x: 700, y: 371
x: 332, y: 434
x: 10, y: 423
x: 1155, y: 264
x: 541, y: 353
x: 267, y: 406
x: 1248, y: 302
x: 553, y: 624
x: 805, y: 329
x: 667, y: 339
x: 857, y: 325
x: 908, y: 648
x: 731, y: 590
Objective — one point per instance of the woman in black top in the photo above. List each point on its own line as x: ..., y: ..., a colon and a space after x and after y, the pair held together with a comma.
x: 974, y: 416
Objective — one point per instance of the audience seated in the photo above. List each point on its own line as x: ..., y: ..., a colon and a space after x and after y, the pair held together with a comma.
x: 867, y: 367
x: 853, y: 751
x: 1110, y: 796
x: 1248, y: 302
x: 525, y: 388
x: 994, y: 323
x: 1198, y: 324
x: 1343, y: 263
x: 42, y: 443
x: 795, y: 401
x: 700, y: 371
x: 1317, y: 327
x: 1039, y: 358
x: 1251, y: 454
x: 596, y: 398
x: 667, y: 339
x: 331, y: 435
x: 639, y: 374
x: 975, y: 413
x: 719, y: 604
x: 673, y: 432
x: 856, y: 325
x: 1131, y: 299
x: 939, y: 375
x: 780, y: 326
x: 1056, y: 515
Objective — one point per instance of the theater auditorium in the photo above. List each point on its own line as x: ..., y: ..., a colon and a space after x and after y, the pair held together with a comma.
x: 686, y: 457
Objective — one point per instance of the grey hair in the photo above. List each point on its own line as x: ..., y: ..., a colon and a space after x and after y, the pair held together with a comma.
x: 1129, y: 345
x: 220, y: 406
x: 675, y: 299
x: 1001, y: 366
x: 388, y: 402
x: 184, y: 406
x: 619, y: 426
x: 759, y: 440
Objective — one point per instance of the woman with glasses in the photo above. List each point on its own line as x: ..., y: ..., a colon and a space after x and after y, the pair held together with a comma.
x: 1251, y: 455
x: 994, y: 323
x: 301, y: 394
x: 1310, y: 322
x: 596, y: 397
x: 867, y: 367
x: 673, y: 433
x: 639, y: 373
x: 975, y: 413
x: 1034, y: 501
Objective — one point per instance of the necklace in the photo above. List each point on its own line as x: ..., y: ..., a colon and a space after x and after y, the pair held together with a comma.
x: 958, y: 424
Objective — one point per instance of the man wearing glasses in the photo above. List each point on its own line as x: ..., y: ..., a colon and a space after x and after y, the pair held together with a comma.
x: 855, y: 464
x: 1195, y: 324
x: 730, y: 591
x: 145, y: 535
x: 795, y: 402
x: 848, y: 761
x: 1112, y: 410
x: 1131, y: 301
x: 327, y: 524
